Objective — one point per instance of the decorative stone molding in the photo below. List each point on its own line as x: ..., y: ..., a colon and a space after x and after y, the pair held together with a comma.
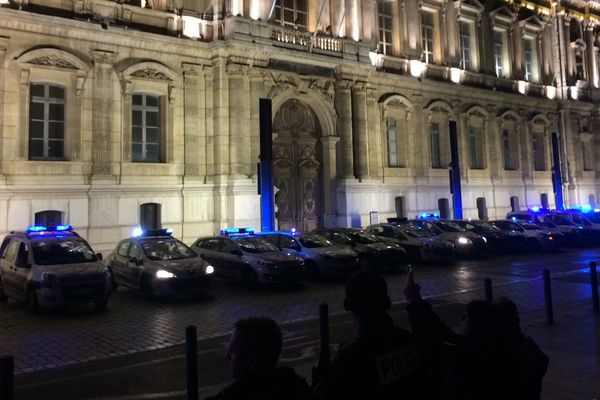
x: 150, y: 70
x: 53, y: 58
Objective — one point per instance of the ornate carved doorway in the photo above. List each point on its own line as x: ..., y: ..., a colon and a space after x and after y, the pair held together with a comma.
x: 297, y: 167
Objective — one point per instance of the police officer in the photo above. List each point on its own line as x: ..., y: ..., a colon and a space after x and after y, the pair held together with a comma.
x: 253, y: 353
x: 381, y: 361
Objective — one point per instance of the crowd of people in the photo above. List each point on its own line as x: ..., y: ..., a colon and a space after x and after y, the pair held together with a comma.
x: 488, y: 358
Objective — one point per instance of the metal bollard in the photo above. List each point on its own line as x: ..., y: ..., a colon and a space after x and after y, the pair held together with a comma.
x: 594, y: 279
x: 487, y: 284
x: 319, y: 370
x: 7, y: 383
x: 548, y: 297
x: 191, y: 356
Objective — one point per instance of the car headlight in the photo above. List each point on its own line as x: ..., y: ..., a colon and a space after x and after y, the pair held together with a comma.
x: 209, y: 270
x: 484, y: 239
x: 464, y: 240
x: 162, y: 274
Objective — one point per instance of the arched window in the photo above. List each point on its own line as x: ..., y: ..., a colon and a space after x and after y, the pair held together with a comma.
x: 46, y: 122
x: 150, y: 216
x: 539, y: 154
x: 48, y: 218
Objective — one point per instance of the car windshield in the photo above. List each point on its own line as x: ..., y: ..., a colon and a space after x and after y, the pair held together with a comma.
x: 448, y: 226
x: 312, y: 241
x: 581, y: 220
x: 256, y: 245
x: 558, y: 219
x: 363, y: 237
x: 57, y: 251
x: 531, y: 227
x: 508, y: 225
x: 166, y: 249
x: 413, y: 231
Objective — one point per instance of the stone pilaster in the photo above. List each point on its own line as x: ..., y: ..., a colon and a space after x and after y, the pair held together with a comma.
x: 102, y: 110
x: 328, y: 169
x: 3, y: 45
x: 359, y: 132
x: 590, y: 58
x: 343, y: 106
x: 192, y: 125
x: 239, y: 123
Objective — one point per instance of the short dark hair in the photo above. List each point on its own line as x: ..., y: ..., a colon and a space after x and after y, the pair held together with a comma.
x: 261, y: 337
x: 366, y: 292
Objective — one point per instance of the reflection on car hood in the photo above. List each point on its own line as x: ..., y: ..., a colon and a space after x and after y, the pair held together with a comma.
x: 274, y: 256
x: 175, y: 265
x: 78, y: 268
x: 380, y: 246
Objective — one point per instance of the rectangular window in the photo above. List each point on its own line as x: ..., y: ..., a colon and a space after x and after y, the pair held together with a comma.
x: 436, y: 154
x: 499, y: 53
x: 46, y: 122
x: 392, y: 139
x: 475, y: 148
x: 465, y: 44
x: 384, y: 13
x: 508, y: 151
x: 292, y: 13
x: 145, y: 128
x: 537, y: 145
x: 427, y: 42
x: 530, y: 58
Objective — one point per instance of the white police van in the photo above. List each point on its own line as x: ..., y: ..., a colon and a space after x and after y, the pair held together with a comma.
x: 49, y: 267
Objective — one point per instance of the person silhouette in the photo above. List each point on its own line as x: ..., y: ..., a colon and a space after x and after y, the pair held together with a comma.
x: 253, y: 353
x: 380, y: 362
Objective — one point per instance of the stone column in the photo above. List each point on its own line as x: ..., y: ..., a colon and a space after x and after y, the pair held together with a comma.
x: 359, y: 132
x: 3, y: 45
x: 76, y: 114
x: 590, y: 57
x: 192, y: 124
x: 343, y: 106
x: 222, y: 129
x: 257, y: 83
x: 239, y: 123
x: 328, y: 145
x: 102, y: 109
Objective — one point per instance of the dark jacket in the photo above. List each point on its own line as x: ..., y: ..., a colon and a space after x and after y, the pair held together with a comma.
x: 380, y: 363
x: 283, y: 383
x: 485, y: 366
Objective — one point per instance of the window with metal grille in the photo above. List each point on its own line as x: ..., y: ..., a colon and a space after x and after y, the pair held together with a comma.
x: 394, y: 154
x: 537, y: 146
x: 475, y: 148
x: 145, y: 127
x: 531, y: 63
x: 292, y: 13
x: 508, y: 151
x: 436, y: 154
x: 46, y: 122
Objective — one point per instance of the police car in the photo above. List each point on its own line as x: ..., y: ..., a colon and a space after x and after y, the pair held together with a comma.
x: 49, y: 267
x: 241, y: 256
x: 159, y: 265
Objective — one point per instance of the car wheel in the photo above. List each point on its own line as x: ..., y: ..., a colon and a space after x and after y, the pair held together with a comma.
x: 2, y: 294
x: 147, y: 290
x: 249, y: 279
x: 312, y: 270
x: 32, y: 300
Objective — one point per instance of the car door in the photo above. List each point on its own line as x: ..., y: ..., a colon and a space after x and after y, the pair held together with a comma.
x: 209, y: 250
x: 231, y: 254
x: 135, y: 264
x: 10, y: 273
x: 118, y: 264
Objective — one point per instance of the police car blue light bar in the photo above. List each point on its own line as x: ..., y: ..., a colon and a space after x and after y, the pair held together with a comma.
x: 43, y: 228
x: 237, y: 231
x: 428, y: 216
x: 535, y: 209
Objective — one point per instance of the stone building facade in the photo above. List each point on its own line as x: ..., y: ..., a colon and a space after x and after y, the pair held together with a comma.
x: 116, y: 114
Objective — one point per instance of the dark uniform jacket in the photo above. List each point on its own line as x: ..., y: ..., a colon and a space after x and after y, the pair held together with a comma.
x: 282, y: 384
x: 380, y: 363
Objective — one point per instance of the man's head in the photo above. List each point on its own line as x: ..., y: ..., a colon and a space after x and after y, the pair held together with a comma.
x: 255, y: 346
x: 366, y: 294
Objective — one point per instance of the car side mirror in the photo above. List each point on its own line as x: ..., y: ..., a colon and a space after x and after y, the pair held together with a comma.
x: 99, y: 256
